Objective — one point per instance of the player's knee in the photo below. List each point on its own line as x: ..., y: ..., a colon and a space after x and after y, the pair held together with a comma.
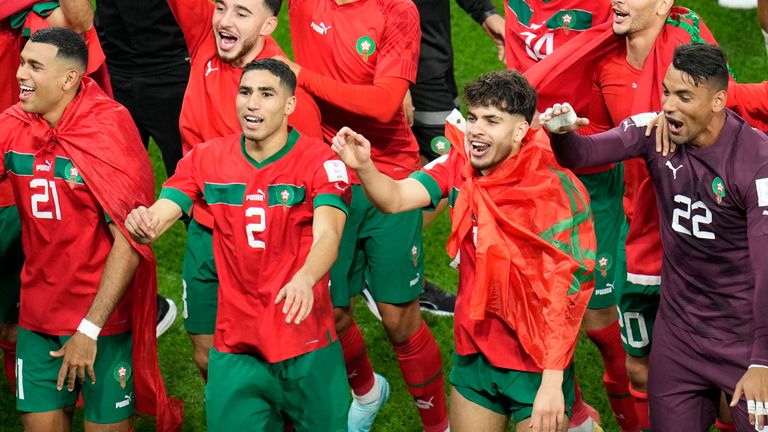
x: 8, y: 332
x: 343, y: 318
x: 400, y: 321
x: 637, y: 370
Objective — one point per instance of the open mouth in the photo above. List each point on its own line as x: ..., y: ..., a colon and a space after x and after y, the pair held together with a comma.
x: 253, y: 122
x: 25, y: 91
x: 619, y: 16
x: 478, y: 149
x: 227, y: 40
x: 675, y: 126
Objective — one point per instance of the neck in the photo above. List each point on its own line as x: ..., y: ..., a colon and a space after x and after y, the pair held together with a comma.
x: 264, y: 149
x: 343, y: 2
x: 710, y: 135
x: 252, y: 55
x: 639, y: 44
x: 53, y: 116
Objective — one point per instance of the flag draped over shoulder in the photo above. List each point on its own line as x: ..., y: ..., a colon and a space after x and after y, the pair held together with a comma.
x: 100, y: 138
x: 566, y: 74
x: 535, y: 250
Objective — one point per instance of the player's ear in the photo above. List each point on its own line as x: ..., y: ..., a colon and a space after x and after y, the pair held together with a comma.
x: 521, y: 128
x: 71, y: 79
x: 269, y: 26
x: 290, y: 105
x: 719, y: 100
x: 664, y: 6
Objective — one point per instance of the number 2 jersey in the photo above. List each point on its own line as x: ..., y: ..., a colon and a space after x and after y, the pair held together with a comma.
x: 262, y: 233
x: 713, y: 213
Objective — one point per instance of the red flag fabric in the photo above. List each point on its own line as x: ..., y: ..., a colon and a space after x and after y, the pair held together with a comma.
x: 100, y: 138
x: 535, y: 250
x: 10, y: 7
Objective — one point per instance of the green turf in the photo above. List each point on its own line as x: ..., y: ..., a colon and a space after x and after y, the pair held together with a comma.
x: 736, y: 31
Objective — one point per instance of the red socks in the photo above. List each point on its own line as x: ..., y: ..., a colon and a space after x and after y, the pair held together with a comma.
x: 724, y: 427
x: 9, y: 362
x: 641, y: 408
x: 615, y: 380
x: 359, y: 369
x: 580, y: 411
x: 422, y: 369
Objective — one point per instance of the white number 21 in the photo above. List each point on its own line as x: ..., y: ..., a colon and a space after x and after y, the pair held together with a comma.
x: 43, y: 196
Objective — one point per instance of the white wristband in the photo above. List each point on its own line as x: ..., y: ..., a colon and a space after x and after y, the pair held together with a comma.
x: 89, y: 329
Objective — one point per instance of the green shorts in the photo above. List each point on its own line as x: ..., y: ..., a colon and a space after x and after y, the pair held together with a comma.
x: 245, y: 392
x: 503, y: 391
x: 37, y: 373
x: 11, y: 262
x: 384, y: 250
x: 606, y: 199
x: 199, y: 280
x: 638, y: 303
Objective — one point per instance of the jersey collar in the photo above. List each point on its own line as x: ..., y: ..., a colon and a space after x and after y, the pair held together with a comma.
x: 292, y: 138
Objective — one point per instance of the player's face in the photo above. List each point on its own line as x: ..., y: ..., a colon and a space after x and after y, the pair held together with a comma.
x: 263, y: 105
x: 688, y: 108
x: 44, y: 79
x: 632, y: 16
x: 493, y: 136
x: 238, y: 26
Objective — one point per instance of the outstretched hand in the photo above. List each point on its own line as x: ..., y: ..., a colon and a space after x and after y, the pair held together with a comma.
x: 141, y: 224
x: 664, y: 145
x: 561, y: 118
x: 352, y: 148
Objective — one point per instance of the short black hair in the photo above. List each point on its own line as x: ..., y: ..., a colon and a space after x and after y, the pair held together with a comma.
x: 506, y: 90
x: 273, y: 6
x: 702, y: 63
x: 276, y: 68
x: 70, y: 45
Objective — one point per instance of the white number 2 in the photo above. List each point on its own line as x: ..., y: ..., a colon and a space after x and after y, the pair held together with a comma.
x: 252, y: 228
x: 43, y: 197
x: 696, y: 222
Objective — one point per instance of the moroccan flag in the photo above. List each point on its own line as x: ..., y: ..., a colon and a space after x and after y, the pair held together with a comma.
x: 10, y: 7
x: 535, y: 251
x: 100, y: 138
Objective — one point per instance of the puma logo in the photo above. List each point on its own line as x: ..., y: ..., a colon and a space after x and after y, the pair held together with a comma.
x: 320, y: 28
x: 674, y: 170
x: 209, y: 69
x: 626, y: 125
x: 425, y: 404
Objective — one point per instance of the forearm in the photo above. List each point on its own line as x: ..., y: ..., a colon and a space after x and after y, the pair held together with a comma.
x: 380, y: 100
x: 119, y: 269
x: 479, y: 10
x: 327, y: 227
x: 78, y: 14
x: 386, y: 194
x: 573, y: 150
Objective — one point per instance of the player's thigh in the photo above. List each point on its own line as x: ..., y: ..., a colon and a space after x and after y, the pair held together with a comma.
x: 347, y: 272
x: 59, y: 420
x: 395, y: 257
x: 725, y: 369
x: 236, y: 396
x: 680, y: 396
x: 606, y: 192
x: 11, y: 262
x: 37, y: 373
x: 112, y: 398
x: 200, y: 281
x: 469, y: 416
x: 315, y: 390
x: 638, y: 305
x: 503, y: 391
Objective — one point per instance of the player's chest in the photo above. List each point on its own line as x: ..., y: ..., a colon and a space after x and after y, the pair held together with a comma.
x: 697, y: 201
x: 49, y: 185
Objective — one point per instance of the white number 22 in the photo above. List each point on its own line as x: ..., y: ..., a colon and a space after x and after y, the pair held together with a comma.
x: 696, y: 222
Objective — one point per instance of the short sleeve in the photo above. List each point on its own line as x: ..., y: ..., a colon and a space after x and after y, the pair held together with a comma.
x: 330, y: 185
x: 439, y: 176
x: 399, y: 55
x: 183, y: 187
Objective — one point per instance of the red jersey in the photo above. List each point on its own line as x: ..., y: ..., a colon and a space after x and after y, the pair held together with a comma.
x: 356, y: 43
x: 261, y: 237
x: 536, y: 28
x: 65, y: 236
x: 209, y: 110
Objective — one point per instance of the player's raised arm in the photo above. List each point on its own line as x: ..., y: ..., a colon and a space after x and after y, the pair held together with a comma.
x: 386, y: 194
x: 327, y: 226
x: 572, y: 150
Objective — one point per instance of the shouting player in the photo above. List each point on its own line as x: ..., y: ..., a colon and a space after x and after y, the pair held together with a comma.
x: 90, y: 324
x: 513, y: 356
x: 276, y: 199
x: 222, y: 37
x: 710, y: 331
